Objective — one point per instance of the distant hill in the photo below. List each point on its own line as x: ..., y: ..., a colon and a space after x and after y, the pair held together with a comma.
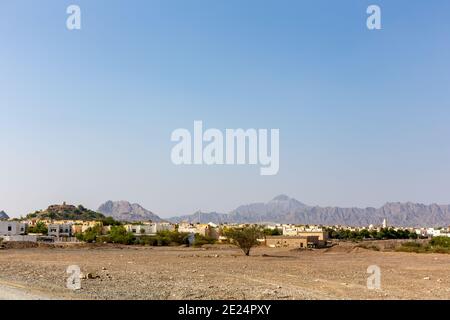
x: 3, y: 215
x: 66, y: 212
x: 125, y: 211
x: 283, y: 209
x: 202, y: 217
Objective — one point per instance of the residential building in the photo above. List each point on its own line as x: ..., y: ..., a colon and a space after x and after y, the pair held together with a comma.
x: 149, y: 228
x: 60, y: 230
x: 301, y: 242
x: 12, y: 228
x: 210, y: 230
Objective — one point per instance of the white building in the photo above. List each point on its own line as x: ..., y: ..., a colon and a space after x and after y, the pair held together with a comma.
x: 293, y: 230
x: 434, y: 232
x: 164, y: 226
x: 12, y: 228
x: 290, y: 230
x: 187, y: 228
x: 60, y: 230
x: 149, y: 228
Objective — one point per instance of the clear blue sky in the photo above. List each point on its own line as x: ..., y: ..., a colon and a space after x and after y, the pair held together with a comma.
x: 364, y: 116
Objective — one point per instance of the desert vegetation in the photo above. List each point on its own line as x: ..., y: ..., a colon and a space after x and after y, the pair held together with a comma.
x: 435, y: 245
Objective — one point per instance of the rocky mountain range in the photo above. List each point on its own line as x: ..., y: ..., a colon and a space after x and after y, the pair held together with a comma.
x: 3, y: 215
x: 283, y: 209
x: 125, y: 211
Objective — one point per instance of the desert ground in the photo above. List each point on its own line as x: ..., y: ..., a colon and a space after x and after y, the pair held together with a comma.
x: 221, y: 272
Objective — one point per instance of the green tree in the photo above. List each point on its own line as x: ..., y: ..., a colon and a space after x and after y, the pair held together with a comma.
x: 246, y: 238
x: 109, y: 221
x: 40, y: 227
x: 272, y: 232
x: 91, y: 234
x: 119, y: 234
x: 365, y: 234
x: 440, y: 241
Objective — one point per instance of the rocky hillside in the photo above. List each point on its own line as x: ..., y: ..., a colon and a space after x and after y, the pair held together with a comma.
x: 202, y: 217
x: 3, y: 215
x: 283, y: 209
x: 66, y: 212
x: 125, y: 211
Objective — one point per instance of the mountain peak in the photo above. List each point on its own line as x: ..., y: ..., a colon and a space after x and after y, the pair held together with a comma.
x: 125, y: 211
x: 281, y: 197
x: 3, y: 215
x: 286, y: 200
x: 283, y: 209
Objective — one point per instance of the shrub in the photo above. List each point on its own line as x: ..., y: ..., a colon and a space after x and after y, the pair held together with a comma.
x: 163, y: 238
x: 109, y: 221
x: 118, y: 234
x: 440, y: 241
x: 90, y: 235
x: 40, y: 227
x: 200, y: 240
x: 272, y: 232
x: 246, y: 238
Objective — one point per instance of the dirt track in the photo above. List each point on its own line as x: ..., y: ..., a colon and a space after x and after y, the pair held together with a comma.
x: 224, y: 273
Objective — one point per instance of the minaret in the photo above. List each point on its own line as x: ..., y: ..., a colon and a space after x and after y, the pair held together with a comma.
x: 384, y: 223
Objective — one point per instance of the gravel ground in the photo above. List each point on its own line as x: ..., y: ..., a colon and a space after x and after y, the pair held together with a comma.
x: 224, y: 273
x: 15, y: 292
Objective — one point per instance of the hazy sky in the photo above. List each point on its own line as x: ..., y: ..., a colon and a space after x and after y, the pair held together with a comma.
x: 364, y: 116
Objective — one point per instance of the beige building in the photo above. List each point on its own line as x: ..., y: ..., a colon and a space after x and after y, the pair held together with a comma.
x: 293, y: 242
x: 322, y: 235
x: 291, y: 230
x: 210, y: 230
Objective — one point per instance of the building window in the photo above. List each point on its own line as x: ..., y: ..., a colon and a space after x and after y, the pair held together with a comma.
x: 9, y: 228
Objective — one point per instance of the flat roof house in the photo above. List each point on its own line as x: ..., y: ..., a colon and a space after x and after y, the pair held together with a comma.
x: 60, y: 230
x: 301, y: 242
x: 12, y: 228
